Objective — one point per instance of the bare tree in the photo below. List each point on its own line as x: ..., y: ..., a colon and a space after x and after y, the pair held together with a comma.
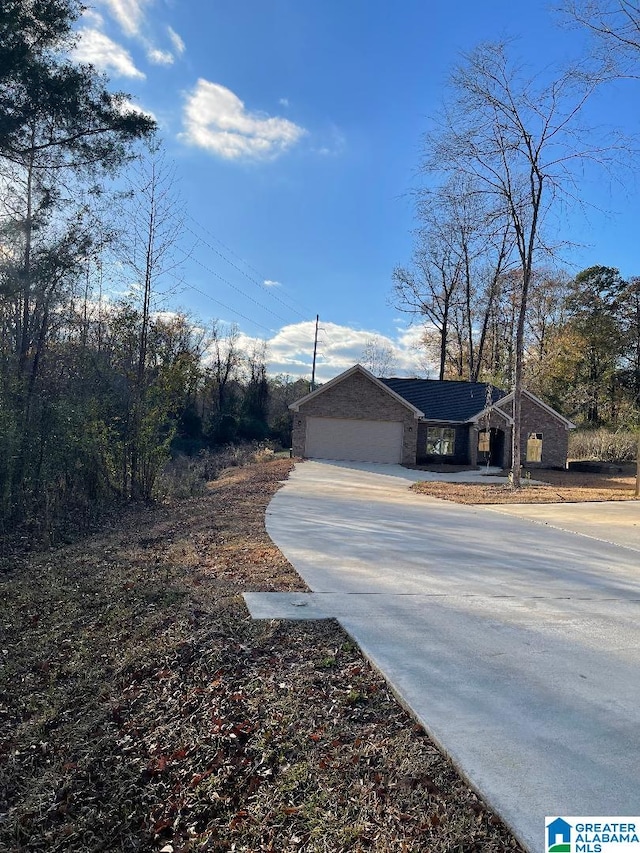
x: 224, y: 365
x: 518, y: 140
x: 430, y: 287
x: 427, y: 289
x: 153, y: 226
x: 378, y: 357
x: 615, y: 24
x: 547, y: 298
x: 482, y: 239
x: 463, y: 248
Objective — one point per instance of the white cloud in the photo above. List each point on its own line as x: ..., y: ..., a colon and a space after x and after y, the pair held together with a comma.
x: 159, y: 57
x: 95, y: 48
x: 129, y: 106
x: 128, y: 13
x: 290, y: 350
x: 93, y: 19
x: 176, y: 41
x: 270, y: 283
x: 131, y: 16
x: 410, y: 336
x: 216, y: 120
x: 284, y: 102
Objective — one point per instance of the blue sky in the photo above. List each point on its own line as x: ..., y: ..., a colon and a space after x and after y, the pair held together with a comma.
x: 295, y: 129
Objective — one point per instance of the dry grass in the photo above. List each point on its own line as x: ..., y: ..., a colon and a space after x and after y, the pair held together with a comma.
x: 560, y: 487
x: 142, y: 710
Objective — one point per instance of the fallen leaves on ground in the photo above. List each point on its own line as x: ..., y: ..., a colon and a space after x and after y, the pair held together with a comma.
x: 143, y: 710
x: 559, y: 487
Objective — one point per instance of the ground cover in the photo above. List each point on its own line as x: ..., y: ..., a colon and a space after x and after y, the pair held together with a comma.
x: 142, y: 709
x: 558, y: 487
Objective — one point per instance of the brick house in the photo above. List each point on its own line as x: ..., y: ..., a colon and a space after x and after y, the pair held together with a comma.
x: 358, y: 417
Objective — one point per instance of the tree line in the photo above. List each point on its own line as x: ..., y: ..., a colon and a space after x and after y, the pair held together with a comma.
x: 506, y: 155
x: 581, y: 351
x: 94, y: 392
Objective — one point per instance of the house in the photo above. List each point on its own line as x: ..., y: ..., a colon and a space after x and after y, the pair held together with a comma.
x: 358, y: 417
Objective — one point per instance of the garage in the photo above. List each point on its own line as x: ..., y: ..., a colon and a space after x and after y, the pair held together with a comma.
x: 354, y: 440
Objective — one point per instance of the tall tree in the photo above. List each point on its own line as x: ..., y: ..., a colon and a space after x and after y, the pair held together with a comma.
x: 429, y: 289
x: 153, y: 218
x: 629, y: 315
x: 592, y: 308
x: 517, y: 139
x: 59, y: 125
x: 547, y: 304
x: 60, y: 129
x: 255, y: 405
x: 223, y: 371
x: 462, y: 250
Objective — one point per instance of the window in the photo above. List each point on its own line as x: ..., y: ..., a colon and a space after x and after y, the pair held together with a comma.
x: 484, y: 441
x: 441, y: 441
x: 534, y: 447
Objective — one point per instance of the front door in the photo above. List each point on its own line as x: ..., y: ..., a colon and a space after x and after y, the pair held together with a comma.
x: 496, y: 448
x: 491, y: 447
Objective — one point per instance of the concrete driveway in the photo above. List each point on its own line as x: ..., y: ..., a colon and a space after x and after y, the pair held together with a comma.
x: 515, y: 643
x: 617, y: 522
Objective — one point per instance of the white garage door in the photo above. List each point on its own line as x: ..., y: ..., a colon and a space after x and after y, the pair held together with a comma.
x: 353, y: 440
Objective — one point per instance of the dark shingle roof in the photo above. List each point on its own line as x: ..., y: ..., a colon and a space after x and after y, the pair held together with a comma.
x: 444, y: 400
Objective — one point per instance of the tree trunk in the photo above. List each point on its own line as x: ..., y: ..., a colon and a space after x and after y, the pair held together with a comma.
x: 444, y: 333
x: 26, y: 264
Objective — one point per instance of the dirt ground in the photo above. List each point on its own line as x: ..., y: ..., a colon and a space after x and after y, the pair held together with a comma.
x: 141, y: 709
x: 559, y: 487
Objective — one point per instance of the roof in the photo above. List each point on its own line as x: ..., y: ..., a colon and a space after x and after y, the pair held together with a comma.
x: 445, y: 400
x: 440, y: 400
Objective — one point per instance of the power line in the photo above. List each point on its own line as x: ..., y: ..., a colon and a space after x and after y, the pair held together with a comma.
x: 224, y: 246
x: 242, y: 272
x: 234, y: 287
x: 221, y: 304
x: 255, y: 281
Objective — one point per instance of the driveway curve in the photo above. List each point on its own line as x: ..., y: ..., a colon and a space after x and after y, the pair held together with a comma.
x: 515, y: 643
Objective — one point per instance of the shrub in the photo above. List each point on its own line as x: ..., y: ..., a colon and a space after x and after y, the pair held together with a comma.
x: 263, y: 453
x: 603, y: 445
x: 186, y: 476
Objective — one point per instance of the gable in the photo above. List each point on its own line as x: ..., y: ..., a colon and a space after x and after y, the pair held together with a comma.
x: 539, y: 404
x: 356, y: 393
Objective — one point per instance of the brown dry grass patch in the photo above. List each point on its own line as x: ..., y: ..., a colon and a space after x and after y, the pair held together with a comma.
x: 142, y: 709
x: 559, y: 487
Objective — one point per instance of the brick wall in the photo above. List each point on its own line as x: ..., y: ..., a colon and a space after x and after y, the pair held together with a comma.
x: 555, y: 438
x: 495, y: 421
x: 358, y: 398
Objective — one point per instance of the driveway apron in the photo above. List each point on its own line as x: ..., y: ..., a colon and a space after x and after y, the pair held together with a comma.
x: 515, y: 644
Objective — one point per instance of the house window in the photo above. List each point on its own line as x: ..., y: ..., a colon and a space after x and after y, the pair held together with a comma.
x: 534, y: 447
x: 441, y: 441
x: 484, y: 441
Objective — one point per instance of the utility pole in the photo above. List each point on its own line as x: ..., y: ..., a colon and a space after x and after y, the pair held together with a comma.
x: 315, y: 350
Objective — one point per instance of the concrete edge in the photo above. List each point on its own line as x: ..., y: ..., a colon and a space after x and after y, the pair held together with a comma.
x: 400, y: 699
